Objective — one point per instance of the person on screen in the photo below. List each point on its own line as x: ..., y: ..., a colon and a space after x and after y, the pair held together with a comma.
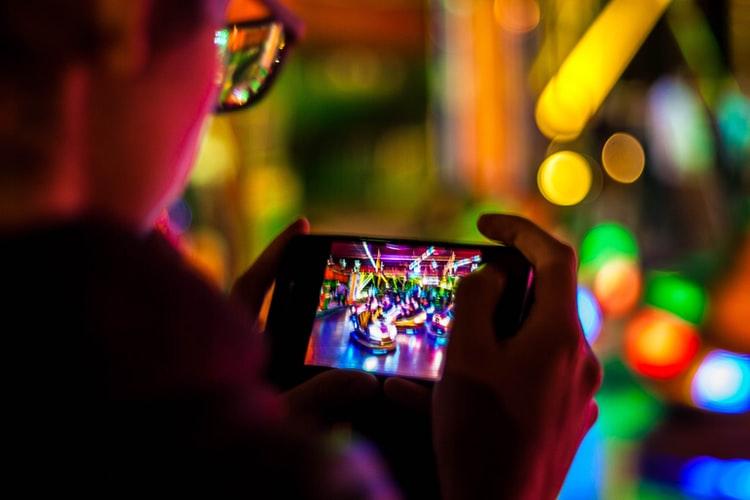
x: 128, y: 374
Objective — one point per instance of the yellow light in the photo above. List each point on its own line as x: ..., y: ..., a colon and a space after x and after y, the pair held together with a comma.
x: 587, y: 75
x: 623, y: 157
x: 517, y: 16
x: 564, y: 178
x: 218, y: 157
x: 270, y: 191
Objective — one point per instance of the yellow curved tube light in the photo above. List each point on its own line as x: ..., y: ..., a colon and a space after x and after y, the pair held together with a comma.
x: 594, y: 65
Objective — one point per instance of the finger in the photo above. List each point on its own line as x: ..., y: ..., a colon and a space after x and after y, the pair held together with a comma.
x: 472, y: 338
x: 251, y: 287
x: 554, y: 262
x: 330, y: 391
x: 408, y: 394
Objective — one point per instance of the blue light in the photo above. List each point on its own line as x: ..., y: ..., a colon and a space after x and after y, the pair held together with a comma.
x: 584, y: 479
x: 735, y: 481
x: 710, y: 477
x: 589, y: 313
x: 180, y: 216
x: 722, y: 383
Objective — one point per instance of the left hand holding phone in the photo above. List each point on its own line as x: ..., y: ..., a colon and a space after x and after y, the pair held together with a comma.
x: 327, y: 396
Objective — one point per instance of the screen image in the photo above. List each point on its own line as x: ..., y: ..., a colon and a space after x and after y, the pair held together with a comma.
x: 387, y: 308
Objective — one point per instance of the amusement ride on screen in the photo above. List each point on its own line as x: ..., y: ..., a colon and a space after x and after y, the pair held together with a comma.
x: 387, y: 308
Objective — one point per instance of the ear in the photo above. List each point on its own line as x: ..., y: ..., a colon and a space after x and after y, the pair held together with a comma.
x: 125, y: 26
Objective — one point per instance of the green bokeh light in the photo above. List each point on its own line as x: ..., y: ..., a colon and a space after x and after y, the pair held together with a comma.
x: 626, y: 410
x: 607, y: 241
x: 655, y: 491
x: 677, y: 295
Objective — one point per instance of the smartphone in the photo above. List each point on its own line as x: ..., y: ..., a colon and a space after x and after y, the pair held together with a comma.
x: 382, y: 305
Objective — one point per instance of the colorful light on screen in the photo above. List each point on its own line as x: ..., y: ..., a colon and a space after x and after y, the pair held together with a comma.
x: 370, y: 364
x: 564, y: 178
x: 623, y: 157
x: 722, y: 383
x: 617, y: 286
x: 607, y: 241
x: 589, y: 314
x: 677, y: 295
x: 709, y: 477
x: 594, y: 65
x: 659, y: 345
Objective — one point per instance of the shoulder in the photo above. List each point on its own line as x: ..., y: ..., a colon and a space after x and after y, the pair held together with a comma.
x: 102, y: 302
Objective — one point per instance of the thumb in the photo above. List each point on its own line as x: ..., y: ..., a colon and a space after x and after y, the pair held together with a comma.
x: 472, y: 340
x: 408, y: 394
x: 330, y: 392
x: 251, y: 288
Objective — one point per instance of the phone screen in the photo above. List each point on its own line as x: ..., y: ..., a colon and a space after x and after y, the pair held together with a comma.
x: 387, y: 308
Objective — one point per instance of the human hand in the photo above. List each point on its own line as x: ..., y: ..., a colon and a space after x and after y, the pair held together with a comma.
x: 327, y: 397
x: 331, y: 397
x: 508, y: 415
x: 253, y: 285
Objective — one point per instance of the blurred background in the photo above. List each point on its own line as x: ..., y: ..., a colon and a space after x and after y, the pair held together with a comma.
x: 621, y: 126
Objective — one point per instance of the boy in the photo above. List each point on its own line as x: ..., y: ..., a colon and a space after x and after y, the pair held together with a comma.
x: 127, y: 370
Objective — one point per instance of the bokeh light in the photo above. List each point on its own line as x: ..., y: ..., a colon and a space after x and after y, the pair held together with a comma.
x: 218, y: 157
x: 270, y: 191
x: 589, y: 314
x: 593, y: 66
x: 733, y: 118
x: 207, y: 251
x: 722, y: 383
x: 679, y: 129
x: 627, y: 411
x: 180, y: 216
x: 617, y: 286
x: 659, y: 345
x: 710, y: 477
x: 730, y: 303
x: 564, y: 178
x: 677, y: 295
x: 517, y: 16
x: 607, y: 241
x: 623, y: 157
x: 586, y: 473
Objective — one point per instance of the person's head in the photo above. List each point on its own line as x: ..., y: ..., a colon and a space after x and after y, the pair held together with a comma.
x: 102, y: 103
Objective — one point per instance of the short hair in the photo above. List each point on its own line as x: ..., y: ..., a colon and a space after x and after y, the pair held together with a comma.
x: 39, y: 39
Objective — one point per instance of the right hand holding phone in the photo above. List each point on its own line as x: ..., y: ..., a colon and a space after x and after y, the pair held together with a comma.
x: 508, y: 415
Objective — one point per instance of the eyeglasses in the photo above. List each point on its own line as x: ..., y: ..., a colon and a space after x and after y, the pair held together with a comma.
x: 251, y: 54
